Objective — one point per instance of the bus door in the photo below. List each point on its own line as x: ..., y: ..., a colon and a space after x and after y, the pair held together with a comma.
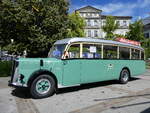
x: 92, y: 69
x: 110, y: 62
x: 72, y: 66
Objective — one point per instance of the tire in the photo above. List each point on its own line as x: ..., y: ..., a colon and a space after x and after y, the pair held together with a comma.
x: 124, y: 76
x: 43, y: 86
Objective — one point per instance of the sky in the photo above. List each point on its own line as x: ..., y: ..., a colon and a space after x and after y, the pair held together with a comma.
x: 136, y: 8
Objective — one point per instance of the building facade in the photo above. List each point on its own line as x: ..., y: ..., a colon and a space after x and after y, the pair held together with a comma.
x: 95, y: 20
x: 146, y: 23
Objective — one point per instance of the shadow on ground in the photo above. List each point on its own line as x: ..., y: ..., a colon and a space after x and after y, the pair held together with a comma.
x: 146, y: 110
x: 21, y: 93
x: 25, y: 93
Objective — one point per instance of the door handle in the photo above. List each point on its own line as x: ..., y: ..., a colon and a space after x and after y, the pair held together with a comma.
x: 110, y: 65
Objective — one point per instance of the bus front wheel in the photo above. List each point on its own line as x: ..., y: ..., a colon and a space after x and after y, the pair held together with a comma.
x: 42, y: 86
x: 124, y: 76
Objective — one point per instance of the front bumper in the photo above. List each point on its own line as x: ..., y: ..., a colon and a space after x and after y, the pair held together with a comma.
x: 16, y: 85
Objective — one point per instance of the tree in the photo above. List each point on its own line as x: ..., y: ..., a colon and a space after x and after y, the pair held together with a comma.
x: 110, y: 27
x: 136, y: 31
x: 146, y: 46
x: 76, y: 25
x: 34, y: 25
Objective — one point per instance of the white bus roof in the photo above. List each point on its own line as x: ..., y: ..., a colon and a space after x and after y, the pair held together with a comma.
x: 94, y: 40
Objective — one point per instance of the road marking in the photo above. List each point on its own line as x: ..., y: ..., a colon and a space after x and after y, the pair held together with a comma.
x: 111, y: 102
x: 26, y: 106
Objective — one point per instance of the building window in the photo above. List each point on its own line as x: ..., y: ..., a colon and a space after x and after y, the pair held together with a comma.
x: 89, y: 33
x: 95, y: 33
x: 89, y: 22
x: 124, y: 23
x: 81, y: 14
x: 146, y: 35
x: 104, y: 23
x: 95, y: 22
x: 118, y: 22
x: 95, y: 15
x: 86, y: 14
x: 90, y: 14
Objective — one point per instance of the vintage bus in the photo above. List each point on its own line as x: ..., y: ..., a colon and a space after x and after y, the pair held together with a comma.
x: 75, y: 61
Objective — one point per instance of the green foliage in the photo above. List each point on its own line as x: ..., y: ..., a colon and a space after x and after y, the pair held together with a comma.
x: 119, y: 35
x: 76, y: 25
x: 147, y: 52
x: 5, y: 67
x: 146, y: 46
x: 136, y: 31
x: 34, y: 25
x: 110, y: 27
x: 148, y: 64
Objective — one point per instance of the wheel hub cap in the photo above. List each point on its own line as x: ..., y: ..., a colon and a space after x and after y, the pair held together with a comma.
x: 43, y: 86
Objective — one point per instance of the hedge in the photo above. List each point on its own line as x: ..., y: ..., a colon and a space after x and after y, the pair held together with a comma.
x: 5, y: 68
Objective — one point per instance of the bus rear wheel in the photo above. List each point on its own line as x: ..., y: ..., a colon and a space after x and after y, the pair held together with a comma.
x: 124, y: 76
x: 42, y: 86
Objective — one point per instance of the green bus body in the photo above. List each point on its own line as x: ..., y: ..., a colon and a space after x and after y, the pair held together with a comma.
x: 74, y: 71
x: 71, y: 72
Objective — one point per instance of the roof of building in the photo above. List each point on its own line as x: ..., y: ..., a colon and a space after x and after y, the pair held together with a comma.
x: 102, y: 16
x: 146, y: 21
x: 118, y: 17
x: 94, y: 40
x: 89, y: 7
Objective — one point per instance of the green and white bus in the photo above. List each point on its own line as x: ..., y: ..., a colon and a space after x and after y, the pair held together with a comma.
x: 76, y: 61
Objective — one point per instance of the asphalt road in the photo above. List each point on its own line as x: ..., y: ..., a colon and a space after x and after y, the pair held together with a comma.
x: 102, y: 97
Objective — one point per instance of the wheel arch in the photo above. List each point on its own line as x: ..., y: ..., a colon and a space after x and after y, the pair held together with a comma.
x: 38, y: 73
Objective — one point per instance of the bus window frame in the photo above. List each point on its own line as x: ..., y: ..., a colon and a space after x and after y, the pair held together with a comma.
x: 129, y: 52
x: 105, y: 44
x: 102, y: 51
x: 67, y: 48
x: 91, y: 44
x: 139, y: 53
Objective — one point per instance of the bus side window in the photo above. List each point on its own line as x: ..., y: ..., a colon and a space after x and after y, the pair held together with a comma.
x: 135, y: 54
x: 110, y: 52
x: 91, y: 51
x: 124, y: 53
x: 74, y: 51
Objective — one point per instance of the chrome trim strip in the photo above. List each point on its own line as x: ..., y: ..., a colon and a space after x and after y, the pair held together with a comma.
x: 61, y: 86
x: 19, y: 84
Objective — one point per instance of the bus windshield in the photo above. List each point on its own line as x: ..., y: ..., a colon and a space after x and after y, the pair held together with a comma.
x: 57, y: 51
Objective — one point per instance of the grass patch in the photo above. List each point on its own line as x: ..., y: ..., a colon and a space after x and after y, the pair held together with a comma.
x: 5, y: 68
